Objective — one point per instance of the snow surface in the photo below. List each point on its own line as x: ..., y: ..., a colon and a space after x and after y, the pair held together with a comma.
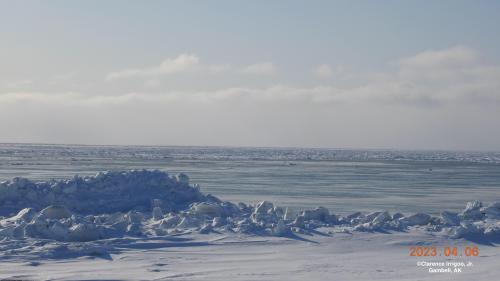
x: 124, y: 215
x: 328, y: 255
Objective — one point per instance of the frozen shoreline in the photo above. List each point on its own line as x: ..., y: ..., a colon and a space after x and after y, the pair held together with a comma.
x: 153, y: 203
x: 104, y: 216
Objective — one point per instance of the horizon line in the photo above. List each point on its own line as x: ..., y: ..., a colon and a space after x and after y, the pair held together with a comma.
x: 250, y: 147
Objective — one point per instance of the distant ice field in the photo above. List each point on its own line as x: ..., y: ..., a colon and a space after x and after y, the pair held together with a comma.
x: 341, y: 180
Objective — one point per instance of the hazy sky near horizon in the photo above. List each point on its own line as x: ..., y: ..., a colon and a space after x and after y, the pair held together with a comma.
x: 352, y: 74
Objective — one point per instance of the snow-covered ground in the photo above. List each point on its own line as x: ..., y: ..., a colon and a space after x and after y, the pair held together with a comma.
x: 322, y: 256
x: 143, y: 224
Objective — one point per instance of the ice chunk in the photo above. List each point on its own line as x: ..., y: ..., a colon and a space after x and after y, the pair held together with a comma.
x: 229, y: 209
x: 464, y: 230
x: 263, y: 207
x: 369, y: 217
x: 264, y: 213
x: 70, y: 188
x: 288, y: 215
x: 473, y: 205
x: 382, y: 218
x: 56, y: 212
x: 354, y: 217
x: 207, y: 228
x: 472, y: 211
x: 299, y: 221
x: 59, y: 231
x: 38, y: 227
x: 170, y: 221
x: 134, y: 217
x: 492, y: 232
x: 243, y: 207
x: 281, y: 229
x: 13, y: 231
x: 183, y: 178
x: 416, y: 219
x: 450, y: 218
x: 208, y: 209
x: 247, y: 226
x: 134, y: 229
x: 157, y: 213
x: 333, y: 219
x: 218, y: 222
x: 120, y: 226
x: 319, y: 214
x: 491, y: 212
x: 278, y: 211
x: 188, y: 222
x: 363, y: 227
x: 397, y: 216
x: 25, y: 215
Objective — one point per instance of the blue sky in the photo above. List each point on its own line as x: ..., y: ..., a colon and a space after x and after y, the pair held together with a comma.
x: 374, y: 74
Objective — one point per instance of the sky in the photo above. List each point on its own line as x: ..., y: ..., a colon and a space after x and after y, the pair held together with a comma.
x: 337, y: 74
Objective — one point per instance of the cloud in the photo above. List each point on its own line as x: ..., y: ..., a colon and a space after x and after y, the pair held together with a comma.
x: 218, y: 68
x: 451, y: 57
x: 189, y: 63
x: 446, y: 95
x: 374, y: 94
x: 452, y: 74
x: 431, y: 78
x: 181, y: 64
x: 263, y: 68
x: 19, y: 83
x: 324, y: 71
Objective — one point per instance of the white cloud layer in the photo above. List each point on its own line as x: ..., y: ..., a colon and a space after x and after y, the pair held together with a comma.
x: 181, y: 64
x: 449, y: 94
x: 452, y: 57
x: 454, y: 75
x: 189, y: 63
x: 324, y: 71
x: 263, y: 68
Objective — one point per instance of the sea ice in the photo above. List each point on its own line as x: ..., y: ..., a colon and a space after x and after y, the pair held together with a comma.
x: 152, y: 203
